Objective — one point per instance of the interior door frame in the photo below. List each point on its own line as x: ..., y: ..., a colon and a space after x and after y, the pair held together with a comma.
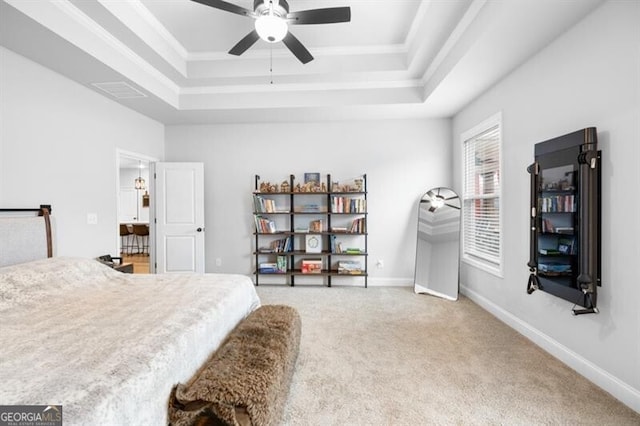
x: 120, y: 153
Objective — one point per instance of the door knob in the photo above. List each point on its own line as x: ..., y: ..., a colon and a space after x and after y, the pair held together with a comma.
x: 199, y: 229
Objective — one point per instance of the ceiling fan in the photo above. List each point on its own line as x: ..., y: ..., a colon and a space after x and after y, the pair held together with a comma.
x: 272, y: 20
x: 438, y: 200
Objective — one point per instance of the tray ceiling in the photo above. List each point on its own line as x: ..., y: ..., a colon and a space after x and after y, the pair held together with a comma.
x: 395, y: 59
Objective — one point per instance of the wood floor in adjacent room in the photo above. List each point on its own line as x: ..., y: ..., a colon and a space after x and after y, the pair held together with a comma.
x: 140, y: 262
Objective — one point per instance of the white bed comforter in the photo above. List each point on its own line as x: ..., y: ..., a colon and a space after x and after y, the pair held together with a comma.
x: 105, y: 345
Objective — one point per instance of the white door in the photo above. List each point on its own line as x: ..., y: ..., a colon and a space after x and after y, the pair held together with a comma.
x: 179, y: 213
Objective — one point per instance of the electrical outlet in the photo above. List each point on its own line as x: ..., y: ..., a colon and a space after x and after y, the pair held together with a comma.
x: 380, y: 263
x: 92, y: 218
x: 218, y: 261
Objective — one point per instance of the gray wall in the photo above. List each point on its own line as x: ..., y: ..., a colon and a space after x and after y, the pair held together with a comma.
x: 402, y: 160
x: 58, y: 143
x: 588, y: 77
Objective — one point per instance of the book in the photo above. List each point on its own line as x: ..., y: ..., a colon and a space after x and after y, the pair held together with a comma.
x: 352, y: 250
x: 556, y: 268
x: 268, y: 268
x: 281, y: 264
x: 548, y: 251
x: 564, y: 230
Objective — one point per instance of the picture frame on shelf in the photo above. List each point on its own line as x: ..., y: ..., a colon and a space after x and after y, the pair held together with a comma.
x: 312, y: 178
x: 313, y: 243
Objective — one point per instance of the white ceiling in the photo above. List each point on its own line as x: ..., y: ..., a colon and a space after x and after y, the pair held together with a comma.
x: 396, y: 58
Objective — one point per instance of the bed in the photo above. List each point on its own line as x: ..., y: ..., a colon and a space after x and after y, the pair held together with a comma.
x: 109, y: 346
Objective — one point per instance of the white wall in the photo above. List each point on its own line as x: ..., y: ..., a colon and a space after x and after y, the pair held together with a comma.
x: 58, y: 144
x: 402, y: 160
x: 588, y: 77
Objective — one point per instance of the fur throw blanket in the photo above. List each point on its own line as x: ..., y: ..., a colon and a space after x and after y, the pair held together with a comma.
x: 246, y: 381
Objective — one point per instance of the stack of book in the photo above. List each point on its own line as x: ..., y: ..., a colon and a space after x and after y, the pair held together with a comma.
x: 268, y: 268
x: 311, y: 208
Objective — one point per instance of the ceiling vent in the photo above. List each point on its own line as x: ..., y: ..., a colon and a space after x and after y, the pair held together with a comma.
x: 120, y: 90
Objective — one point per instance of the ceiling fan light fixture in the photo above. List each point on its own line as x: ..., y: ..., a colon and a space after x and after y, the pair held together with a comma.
x: 271, y: 28
x: 437, y: 202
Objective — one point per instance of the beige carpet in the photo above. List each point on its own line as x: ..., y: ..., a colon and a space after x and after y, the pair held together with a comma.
x: 385, y: 356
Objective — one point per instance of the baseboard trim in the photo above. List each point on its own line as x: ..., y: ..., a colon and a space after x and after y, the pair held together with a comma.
x: 390, y: 282
x: 627, y: 394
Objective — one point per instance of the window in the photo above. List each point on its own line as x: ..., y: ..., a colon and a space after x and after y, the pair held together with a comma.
x: 481, y: 221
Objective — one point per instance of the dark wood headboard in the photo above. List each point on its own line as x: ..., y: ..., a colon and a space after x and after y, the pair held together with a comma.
x: 24, y: 236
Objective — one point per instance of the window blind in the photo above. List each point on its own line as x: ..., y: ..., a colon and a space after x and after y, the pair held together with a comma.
x: 481, y: 197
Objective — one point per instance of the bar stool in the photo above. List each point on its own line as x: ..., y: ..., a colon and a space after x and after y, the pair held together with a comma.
x: 125, y: 239
x: 141, y: 233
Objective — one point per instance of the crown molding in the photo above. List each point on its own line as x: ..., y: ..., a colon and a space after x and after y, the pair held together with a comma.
x: 150, y: 30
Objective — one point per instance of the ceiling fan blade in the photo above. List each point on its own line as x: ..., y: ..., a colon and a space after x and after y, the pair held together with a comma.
x: 329, y: 15
x: 451, y: 205
x: 228, y: 7
x: 245, y: 43
x: 297, y: 48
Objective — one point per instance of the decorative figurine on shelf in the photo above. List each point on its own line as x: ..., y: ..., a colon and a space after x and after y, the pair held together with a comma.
x: 284, y: 186
x: 335, y: 187
x: 298, y: 189
x: 323, y: 187
x: 359, y: 185
x: 268, y: 187
x: 276, y: 188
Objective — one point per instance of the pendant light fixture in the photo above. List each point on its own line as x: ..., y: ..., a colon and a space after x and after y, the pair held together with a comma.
x: 139, y: 182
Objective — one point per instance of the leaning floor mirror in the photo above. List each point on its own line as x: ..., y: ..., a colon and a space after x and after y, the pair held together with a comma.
x: 438, y: 247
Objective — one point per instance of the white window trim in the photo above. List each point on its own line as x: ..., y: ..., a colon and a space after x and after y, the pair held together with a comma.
x: 482, y: 264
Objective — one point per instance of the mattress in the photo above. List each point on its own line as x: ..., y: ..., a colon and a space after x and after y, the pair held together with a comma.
x: 109, y: 346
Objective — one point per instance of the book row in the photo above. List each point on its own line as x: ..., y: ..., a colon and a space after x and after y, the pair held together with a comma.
x: 558, y: 204
x: 348, y: 205
x: 264, y: 225
x: 310, y: 266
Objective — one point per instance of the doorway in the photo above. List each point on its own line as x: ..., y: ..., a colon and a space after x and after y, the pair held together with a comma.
x: 134, y: 210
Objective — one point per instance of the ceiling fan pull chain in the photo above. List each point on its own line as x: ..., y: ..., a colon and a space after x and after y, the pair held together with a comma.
x: 271, y: 62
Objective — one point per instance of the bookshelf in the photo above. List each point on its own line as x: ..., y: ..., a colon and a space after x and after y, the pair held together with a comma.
x: 565, y: 219
x: 310, y: 230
